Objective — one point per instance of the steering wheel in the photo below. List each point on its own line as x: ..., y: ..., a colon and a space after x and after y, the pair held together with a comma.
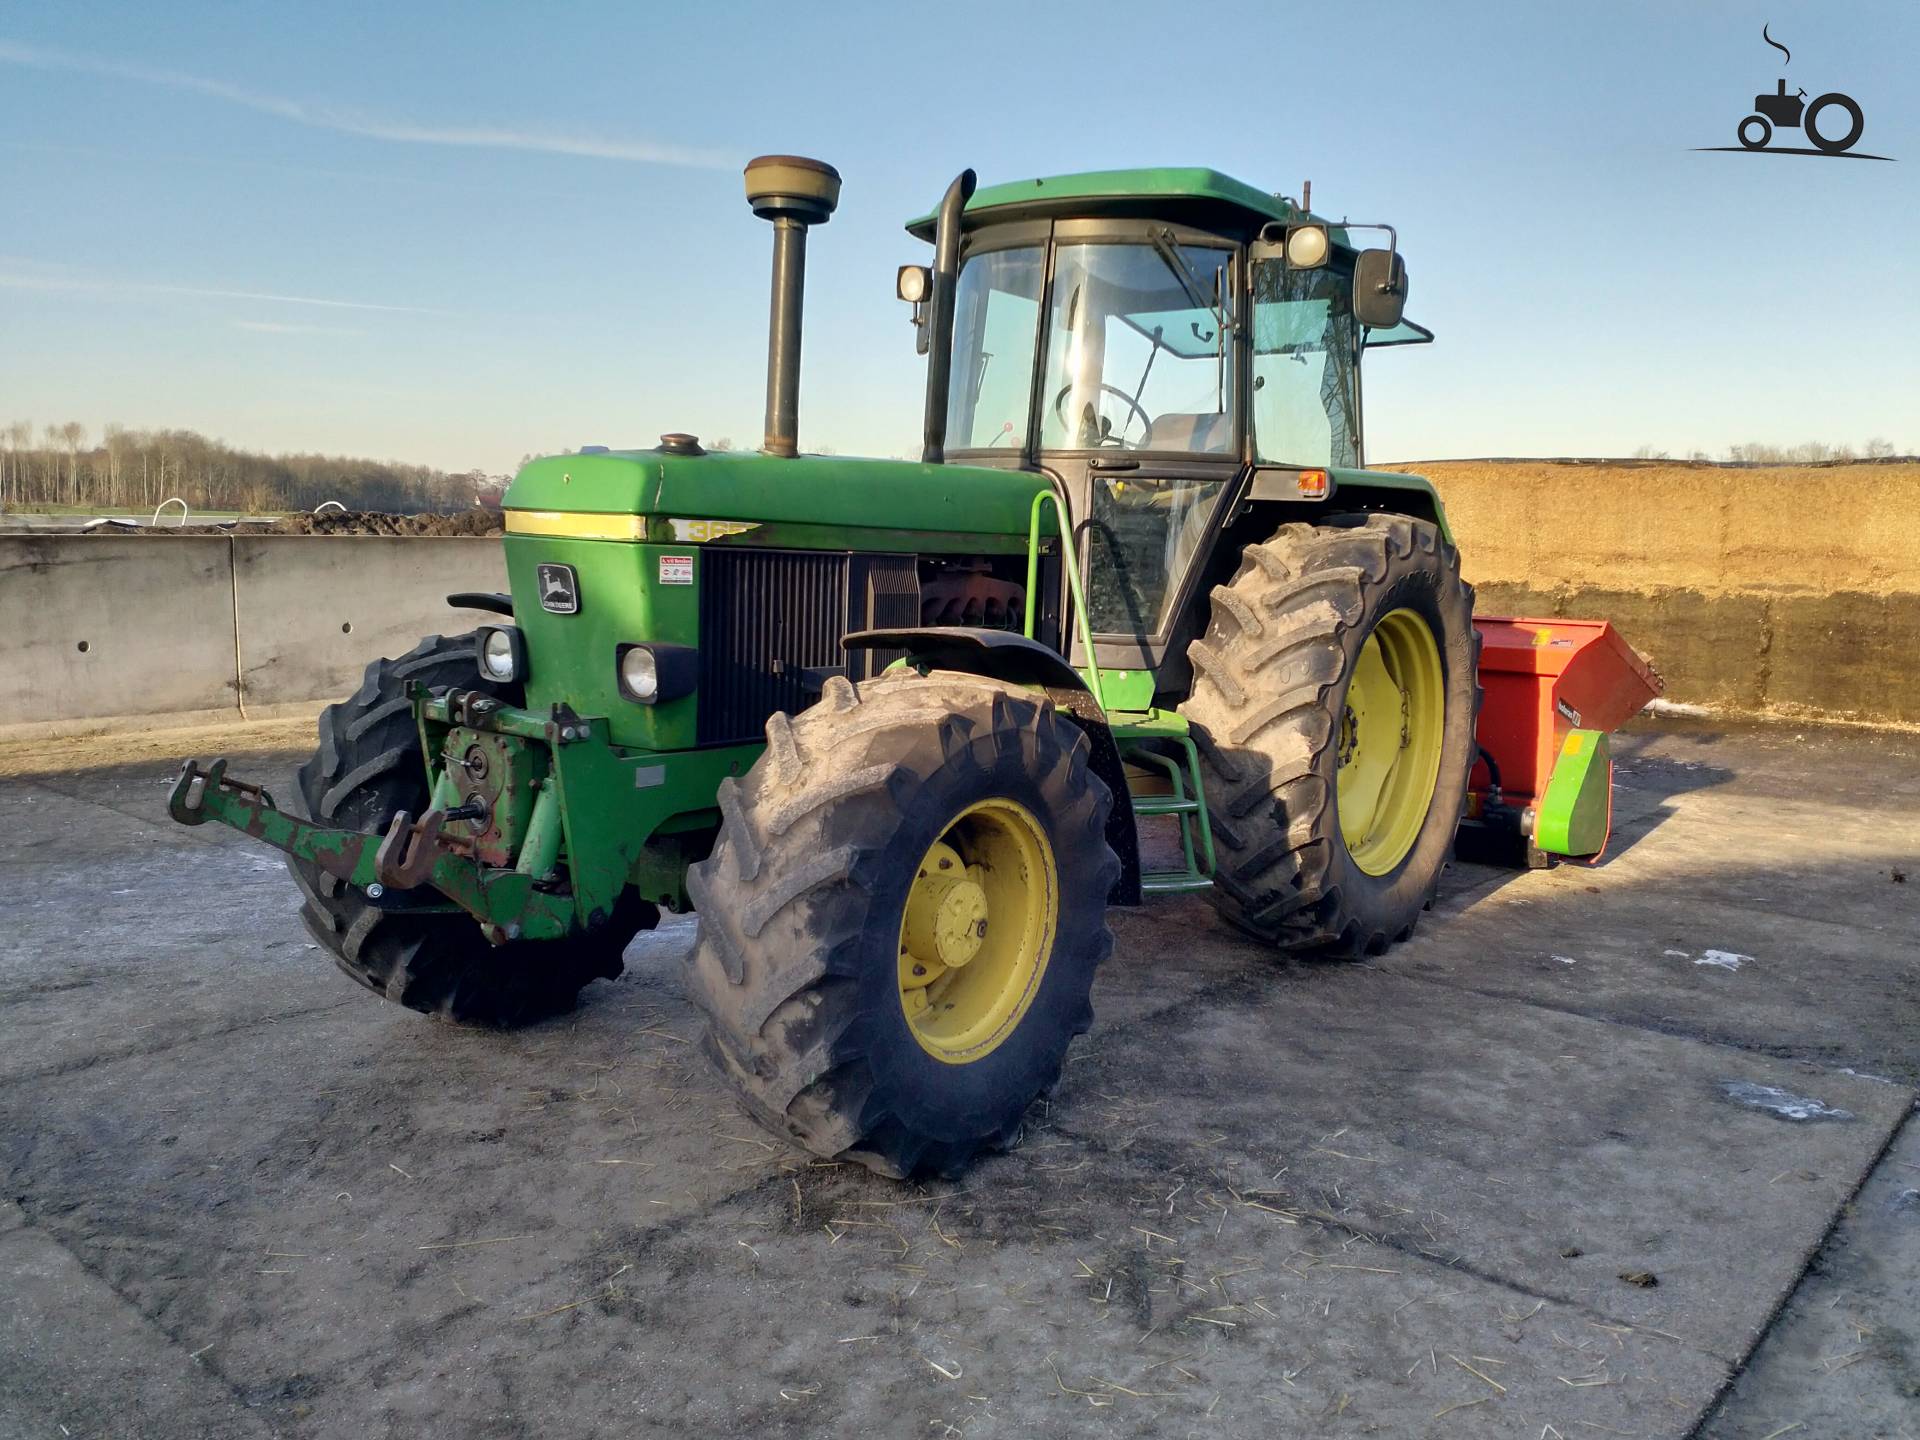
x: 1133, y: 406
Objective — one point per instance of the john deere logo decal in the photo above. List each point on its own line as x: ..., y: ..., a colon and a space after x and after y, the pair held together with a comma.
x: 1832, y: 123
x: 559, y: 589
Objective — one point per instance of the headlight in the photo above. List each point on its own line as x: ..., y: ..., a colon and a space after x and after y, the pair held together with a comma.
x: 502, y: 654
x: 1307, y: 246
x: 640, y: 675
x: 655, y: 673
x: 914, y: 283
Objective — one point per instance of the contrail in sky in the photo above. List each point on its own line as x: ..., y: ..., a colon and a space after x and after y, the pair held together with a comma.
x: 373, y: 127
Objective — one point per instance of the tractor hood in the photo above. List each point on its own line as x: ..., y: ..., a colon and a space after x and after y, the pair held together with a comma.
x: 656, y: 495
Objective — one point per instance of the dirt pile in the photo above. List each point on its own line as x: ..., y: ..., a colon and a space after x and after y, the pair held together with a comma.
x: 476, y: 521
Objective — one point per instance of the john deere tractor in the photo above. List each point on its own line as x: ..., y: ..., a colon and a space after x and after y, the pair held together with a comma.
x: 894, y: 728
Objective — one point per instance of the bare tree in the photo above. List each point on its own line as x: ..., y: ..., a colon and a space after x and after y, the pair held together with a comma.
x: 113, y: 441
x: 20, y: 436
x: 50, y: 461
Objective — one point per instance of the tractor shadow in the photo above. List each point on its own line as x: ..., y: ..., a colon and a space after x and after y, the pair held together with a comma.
x: 1652, y: 767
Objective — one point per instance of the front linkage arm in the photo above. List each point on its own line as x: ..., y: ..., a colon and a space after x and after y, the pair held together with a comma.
x: 412, y: 853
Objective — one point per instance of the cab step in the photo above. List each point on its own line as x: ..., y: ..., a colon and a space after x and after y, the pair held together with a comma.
x: 1177, y: 791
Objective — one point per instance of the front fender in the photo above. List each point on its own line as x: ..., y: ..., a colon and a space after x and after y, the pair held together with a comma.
x: 996, y: 654
x: 1003, y: 655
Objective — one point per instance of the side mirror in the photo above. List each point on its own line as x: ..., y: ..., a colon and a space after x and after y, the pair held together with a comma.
x: 1379, y: 288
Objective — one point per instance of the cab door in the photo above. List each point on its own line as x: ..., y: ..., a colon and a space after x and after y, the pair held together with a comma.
x: 1139, y: 415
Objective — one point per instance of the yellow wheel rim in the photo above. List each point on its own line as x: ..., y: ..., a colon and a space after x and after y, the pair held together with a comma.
x: 977, y: 931
x: 1390, y: 734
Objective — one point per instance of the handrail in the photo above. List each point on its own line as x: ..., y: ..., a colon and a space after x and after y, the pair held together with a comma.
x: 1071, y: 560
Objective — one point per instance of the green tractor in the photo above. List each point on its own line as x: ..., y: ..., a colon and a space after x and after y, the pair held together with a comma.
x: 893, y: 728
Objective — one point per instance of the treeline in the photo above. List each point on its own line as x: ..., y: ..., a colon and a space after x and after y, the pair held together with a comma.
x: 65, y: 465
x: 1756, y: 453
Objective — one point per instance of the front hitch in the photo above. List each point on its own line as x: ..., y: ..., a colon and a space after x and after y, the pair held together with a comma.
x: 401, y: 860
x: 411, y: 848
x: 412, y: 854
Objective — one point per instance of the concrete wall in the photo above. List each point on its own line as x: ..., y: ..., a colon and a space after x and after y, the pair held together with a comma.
x: 101, y: 632
x: 106, y: 625
x: 1791, y: 590
x: 314, y: 610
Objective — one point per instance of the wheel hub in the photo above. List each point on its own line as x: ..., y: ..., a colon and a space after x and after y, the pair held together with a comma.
x: 976, y: 931
x: 946, y: 911
x: 1390, y: 739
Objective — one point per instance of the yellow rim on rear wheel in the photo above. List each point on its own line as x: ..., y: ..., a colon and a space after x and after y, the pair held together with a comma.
x: 1390, y: 735
x: 977, y: 931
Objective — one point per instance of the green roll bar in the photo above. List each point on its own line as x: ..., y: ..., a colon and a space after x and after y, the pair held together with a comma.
x: 1071, y: 560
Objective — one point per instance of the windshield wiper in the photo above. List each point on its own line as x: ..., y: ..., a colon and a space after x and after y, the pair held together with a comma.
x: 1190, y: 282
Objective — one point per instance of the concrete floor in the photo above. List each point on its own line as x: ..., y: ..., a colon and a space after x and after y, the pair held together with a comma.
x: 242, y: 1198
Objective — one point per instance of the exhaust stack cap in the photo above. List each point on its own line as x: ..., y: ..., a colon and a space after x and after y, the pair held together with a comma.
x: 792, y: 187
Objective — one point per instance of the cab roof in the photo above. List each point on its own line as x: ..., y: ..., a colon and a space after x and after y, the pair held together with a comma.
x: 1170, y: 192
x: 1182, y: 193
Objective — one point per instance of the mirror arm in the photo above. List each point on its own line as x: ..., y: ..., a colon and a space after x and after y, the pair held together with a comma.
x: 1393, y: 245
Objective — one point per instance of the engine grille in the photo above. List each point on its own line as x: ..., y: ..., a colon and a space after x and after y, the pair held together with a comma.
x: 771, y: 622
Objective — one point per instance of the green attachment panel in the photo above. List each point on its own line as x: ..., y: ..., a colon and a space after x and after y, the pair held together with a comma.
x: 1127, y: 689
x: 1577, y: 810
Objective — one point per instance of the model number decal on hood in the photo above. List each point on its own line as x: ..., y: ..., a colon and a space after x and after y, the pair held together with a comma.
x: 695, y: 532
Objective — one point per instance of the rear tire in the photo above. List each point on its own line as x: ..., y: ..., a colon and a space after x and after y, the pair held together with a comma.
x: 1270, y: 697
x: 801, y: 955
x: 1837, y: 144
x: 367, y: 769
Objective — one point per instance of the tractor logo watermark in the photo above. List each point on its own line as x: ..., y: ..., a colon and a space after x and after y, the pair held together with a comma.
x: 559, y: 589
x: 1831, y: 123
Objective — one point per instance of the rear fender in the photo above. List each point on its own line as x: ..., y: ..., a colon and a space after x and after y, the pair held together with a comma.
x: 1003, y: 655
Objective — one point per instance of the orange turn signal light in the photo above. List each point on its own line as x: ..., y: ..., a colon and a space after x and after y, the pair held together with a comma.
x: 1313, y: 484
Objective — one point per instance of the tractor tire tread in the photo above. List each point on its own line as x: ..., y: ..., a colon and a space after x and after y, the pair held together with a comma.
x: 805, y: 840
x: 1262, y: 715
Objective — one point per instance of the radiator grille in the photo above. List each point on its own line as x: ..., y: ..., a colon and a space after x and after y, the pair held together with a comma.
x: 767, y: 617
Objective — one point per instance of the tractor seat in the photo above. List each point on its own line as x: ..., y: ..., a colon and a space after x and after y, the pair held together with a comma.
x: 1196, y: 434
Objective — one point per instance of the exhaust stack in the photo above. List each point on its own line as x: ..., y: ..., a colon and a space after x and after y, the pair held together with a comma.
x: 793, y: 193
x: 946, y: 265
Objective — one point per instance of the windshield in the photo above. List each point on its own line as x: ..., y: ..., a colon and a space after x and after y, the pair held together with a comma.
x: 1303, y: 365
x: 996, y: 322
x: 1137, y: 355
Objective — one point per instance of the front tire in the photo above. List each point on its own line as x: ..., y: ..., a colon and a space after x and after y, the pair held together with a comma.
x: 367, y: 769
x: 894, y: 827
x: 1338, y: 672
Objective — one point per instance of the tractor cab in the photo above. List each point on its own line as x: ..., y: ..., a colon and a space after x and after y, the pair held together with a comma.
x: 1164, y: 345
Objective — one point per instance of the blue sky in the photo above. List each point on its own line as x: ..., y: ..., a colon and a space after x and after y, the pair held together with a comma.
x: 457, y: 234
